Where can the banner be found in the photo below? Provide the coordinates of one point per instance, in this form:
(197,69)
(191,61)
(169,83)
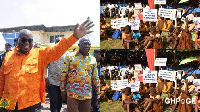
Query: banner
(113,23)
(113,84)
(167,13)
(168,75)
(160,62)
(135,24)
(138,66)
(150,15)
(160,2)
(138,5)
(122,22)
(134,86)
(150,77)
(136,12)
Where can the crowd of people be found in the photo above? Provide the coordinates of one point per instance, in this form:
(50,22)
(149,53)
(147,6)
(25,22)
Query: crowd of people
(119,65)
(72,78)
(179,33)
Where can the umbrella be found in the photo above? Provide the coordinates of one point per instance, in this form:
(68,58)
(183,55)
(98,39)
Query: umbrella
(182,1)
(190,59)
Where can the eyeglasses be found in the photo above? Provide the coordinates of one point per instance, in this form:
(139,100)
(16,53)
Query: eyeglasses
(23,40)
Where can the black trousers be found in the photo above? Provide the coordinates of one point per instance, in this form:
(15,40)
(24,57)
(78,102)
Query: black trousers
(34,108)
(55,98)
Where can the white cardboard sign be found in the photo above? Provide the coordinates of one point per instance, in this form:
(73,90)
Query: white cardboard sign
(167,13)
(160,62)
(138,67)
(113,23)
(160,2)
(122,22)
(168,75)
(134,86)
(135,24)
(138,5)
(113,84)
(150,77)
(150,15)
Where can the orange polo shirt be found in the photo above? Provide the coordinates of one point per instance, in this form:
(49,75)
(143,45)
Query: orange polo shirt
(22,77)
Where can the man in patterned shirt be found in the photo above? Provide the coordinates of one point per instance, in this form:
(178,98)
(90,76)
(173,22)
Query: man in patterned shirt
(54,83)
(79,73)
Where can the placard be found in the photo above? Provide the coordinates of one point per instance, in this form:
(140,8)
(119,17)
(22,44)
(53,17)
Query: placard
(138,5)
(113,23)
(150,15)
(135,24)
(168,75)
(134,86)
(122,22)
(138,66)
(197,85)
(160,62)
(113,84)
(160,2)
(150,77)
(122,84)
(167,13)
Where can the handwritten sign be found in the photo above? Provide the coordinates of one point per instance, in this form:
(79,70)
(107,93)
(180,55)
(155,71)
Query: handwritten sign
(160,2)
(134,86)
(113,23)
(150,77)
(168,75)
(138,5)
(135,24)
(113,84)
(150,15)
(122,83)
(167,13)
(138,67)
(122,22)
(160,62)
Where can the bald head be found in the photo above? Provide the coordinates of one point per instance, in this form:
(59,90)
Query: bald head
(25,41)
(84,46)
(25,32)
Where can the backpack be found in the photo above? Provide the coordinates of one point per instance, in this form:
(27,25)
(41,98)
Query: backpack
(116,34)
(117,95)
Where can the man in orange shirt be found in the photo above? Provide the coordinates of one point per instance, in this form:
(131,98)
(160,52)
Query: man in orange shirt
(22,79)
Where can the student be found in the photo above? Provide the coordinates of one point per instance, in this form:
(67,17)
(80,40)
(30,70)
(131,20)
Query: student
(126,99)
(148,102)
(127,38)
(185,41)
(154,39)
(173,37)
(166,30)
(185,93)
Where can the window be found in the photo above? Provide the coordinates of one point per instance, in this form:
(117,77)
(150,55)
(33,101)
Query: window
(53,38)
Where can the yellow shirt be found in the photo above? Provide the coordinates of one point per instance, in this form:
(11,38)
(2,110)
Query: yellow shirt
(168,26)
(168,89)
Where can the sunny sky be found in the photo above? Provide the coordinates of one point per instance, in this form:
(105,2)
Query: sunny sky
(50,13)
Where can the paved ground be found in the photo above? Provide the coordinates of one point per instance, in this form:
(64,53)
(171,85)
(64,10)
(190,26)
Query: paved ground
(46,106)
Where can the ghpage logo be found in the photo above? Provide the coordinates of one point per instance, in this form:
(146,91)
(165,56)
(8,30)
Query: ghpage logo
(178,100)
